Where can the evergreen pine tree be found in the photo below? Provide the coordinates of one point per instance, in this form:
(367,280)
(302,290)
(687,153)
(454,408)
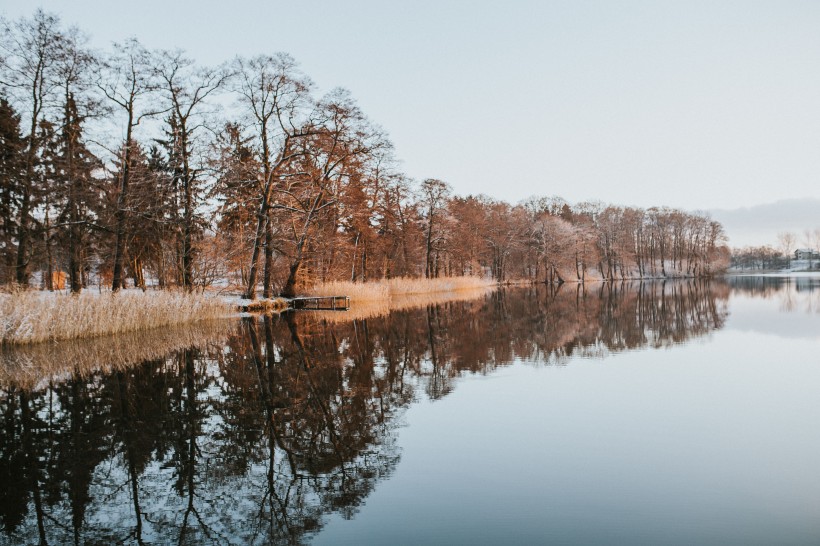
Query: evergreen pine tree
(12,145)
(77,194)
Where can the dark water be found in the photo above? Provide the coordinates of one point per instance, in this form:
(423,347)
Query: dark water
(662,413)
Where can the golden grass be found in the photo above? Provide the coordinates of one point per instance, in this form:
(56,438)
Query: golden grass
(273,305)
(386,289)
(376,308)
(33,365)
(32,317)
(381,297)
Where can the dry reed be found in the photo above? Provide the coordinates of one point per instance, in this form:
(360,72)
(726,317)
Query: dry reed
(402,286)
(273,305)
(32,317)
(364,309)
(381,297)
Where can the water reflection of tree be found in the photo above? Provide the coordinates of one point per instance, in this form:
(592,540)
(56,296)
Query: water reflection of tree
(293,418)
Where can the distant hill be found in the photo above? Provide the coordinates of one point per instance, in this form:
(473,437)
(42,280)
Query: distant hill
(759,225)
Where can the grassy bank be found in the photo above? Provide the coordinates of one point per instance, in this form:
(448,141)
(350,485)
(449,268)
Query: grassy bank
(272,305)
(32,317)
(364,309)
(402,286)
(381,297)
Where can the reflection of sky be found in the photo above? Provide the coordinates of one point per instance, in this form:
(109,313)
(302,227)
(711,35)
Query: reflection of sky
(708,442)
(787,313)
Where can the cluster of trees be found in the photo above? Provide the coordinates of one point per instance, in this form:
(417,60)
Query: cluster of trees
(546,239)
(241,172)
(763,257)
(781,255)
(300,415)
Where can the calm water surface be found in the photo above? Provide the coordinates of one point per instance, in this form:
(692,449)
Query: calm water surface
(661,413)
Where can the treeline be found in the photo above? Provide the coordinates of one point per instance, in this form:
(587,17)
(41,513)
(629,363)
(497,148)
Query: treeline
(759,257)
(241,173)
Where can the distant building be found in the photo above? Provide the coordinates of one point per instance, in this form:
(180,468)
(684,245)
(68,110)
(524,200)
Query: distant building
(806,254)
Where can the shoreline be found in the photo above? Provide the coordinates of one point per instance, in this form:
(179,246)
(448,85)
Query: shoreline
(33,317)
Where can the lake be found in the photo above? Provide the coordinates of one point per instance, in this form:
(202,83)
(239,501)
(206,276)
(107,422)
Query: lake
(670,412)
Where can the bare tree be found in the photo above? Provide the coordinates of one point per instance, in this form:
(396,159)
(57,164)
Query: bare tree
(785,243)
(341,137)
(276,102)
(808,240)
(74,73)
(127,79)
(433,198)
(186,89)
(29,51)
(555,243)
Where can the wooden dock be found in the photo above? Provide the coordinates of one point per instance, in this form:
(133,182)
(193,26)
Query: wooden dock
(321,303)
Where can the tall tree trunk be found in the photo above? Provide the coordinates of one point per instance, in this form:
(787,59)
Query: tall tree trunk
(428,269)
(353,265)
(74,244)
(289,289)
(261,225)
(23,229)
(49,276)
(267,280)
(69,137)
(23,233)
(122,203)
(364,262)
(188,211)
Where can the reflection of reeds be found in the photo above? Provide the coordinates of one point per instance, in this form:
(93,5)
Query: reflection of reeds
(31,317)
(362,309)
(28,366)
(401,286)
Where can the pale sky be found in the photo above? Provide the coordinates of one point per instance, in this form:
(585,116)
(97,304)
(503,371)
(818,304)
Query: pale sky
(696,105)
